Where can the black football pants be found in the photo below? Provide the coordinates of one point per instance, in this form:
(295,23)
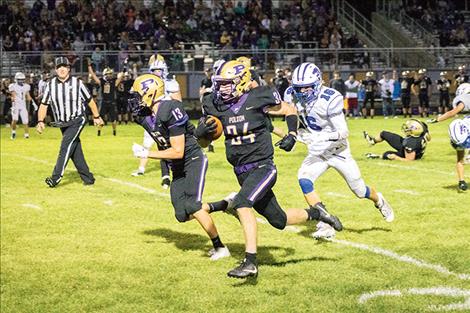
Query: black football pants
(71,148)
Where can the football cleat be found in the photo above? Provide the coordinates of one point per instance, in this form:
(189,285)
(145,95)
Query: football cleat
(372,156)
(463,186)
(385,208)
(244,270)
(166,182)
(13,136)
(219,253)
(50,182)
(230,209)
(324,231)
(137,173)
(327,218)
(98,133)
(368,138)
(26,136)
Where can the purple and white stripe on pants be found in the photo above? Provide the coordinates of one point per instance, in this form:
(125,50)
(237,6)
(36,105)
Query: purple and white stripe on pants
(202,178)
(262,185)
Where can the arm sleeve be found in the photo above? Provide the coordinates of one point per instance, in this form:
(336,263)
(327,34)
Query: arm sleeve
(336,116)
(47,94)
(176,119)
(84,93)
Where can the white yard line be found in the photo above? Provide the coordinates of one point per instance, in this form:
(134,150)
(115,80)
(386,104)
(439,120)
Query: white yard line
(33,206)
(409,192)
(108,202)
(417,169)
(435,291)
(402,258)
(336,194)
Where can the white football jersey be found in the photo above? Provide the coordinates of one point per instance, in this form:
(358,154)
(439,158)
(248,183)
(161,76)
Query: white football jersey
(20,92)
(465,98)
(171,86)
(321,119)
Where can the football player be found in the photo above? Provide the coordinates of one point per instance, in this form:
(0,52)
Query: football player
(19,92)
(409,148)
(249,149)
(459,130)
(159,68)
(371,89)
(325,132)
(168,124)
(406,81)
(424,91)
(108,86)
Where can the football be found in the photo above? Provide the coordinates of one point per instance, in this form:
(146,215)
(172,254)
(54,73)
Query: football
(218,130)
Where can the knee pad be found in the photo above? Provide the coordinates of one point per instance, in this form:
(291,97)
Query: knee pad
(306,185)
(359,188)
(278,221)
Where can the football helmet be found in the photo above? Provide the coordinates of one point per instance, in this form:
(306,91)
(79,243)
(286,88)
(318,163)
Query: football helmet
(463,89)
(237,75)
(20,78)
(369,74)
(413,128)
(443,74)
(462,68)
(146,91)
(422,71)
(217,64)
(459,132)
(304,76)
(157,62)
(246,61)
(405,73)
(108,71)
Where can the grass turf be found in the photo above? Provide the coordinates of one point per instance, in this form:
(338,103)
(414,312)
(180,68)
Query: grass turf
(116,246)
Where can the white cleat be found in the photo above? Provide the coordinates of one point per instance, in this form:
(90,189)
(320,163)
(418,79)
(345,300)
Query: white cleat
(137,173)
(324,231)
(219,253)
(385,208)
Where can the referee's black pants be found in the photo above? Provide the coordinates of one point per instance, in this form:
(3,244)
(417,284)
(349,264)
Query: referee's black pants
(71,148)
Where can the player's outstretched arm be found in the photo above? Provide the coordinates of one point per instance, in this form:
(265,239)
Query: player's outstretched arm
(450,113)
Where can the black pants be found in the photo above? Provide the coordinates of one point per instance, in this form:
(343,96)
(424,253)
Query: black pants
(256,181)
(165,167)
(395,141)
(71,148)
(444,100)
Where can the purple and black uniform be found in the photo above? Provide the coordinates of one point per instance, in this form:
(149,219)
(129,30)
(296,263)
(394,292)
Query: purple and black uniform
(189,173)
(249,148)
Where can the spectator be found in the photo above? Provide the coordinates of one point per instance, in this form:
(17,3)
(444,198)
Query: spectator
(386,91)
(97,59)
(352,88)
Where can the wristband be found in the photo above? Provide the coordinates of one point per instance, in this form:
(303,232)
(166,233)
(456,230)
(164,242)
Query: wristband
(95,117)
(292,123)
(40,122)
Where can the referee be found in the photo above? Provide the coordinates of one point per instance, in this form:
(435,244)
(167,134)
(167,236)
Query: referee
(67,96)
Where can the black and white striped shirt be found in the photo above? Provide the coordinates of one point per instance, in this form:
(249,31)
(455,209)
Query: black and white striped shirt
(67,99)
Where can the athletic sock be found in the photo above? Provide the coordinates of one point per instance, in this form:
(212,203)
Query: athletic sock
(217,206)
(250,257)
(217,243)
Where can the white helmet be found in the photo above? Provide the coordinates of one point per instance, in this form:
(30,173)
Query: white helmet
(217,65)
(463,89)
(306,75)
(158,63)
(459,132)
(19,76)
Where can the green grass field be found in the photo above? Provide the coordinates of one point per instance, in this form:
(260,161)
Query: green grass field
(116,246)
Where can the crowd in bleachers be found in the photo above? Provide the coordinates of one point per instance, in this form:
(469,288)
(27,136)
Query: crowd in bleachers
(441,17)
(163,25)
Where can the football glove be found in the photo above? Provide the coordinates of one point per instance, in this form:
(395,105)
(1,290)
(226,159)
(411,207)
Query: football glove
(205,127)
(139,151)
(287,143)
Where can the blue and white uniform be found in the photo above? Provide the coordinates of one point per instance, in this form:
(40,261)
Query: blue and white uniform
(325,132)
(459,129)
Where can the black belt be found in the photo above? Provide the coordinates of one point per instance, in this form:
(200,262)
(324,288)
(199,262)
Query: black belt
(240,169)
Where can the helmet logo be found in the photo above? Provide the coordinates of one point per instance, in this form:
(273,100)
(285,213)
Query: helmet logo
(145,84)
(239,68)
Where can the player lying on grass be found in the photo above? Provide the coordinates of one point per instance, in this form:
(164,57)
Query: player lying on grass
(249,149)
(325,132)
(168,124)
(409,148)
(459,130)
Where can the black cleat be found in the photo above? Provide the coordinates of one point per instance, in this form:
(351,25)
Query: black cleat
(210,148)
(463,186)
(89,183)
(244,270)
(114,132)
(326,217)
(50,182)
(368,138)
(98,133)
(166,182)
